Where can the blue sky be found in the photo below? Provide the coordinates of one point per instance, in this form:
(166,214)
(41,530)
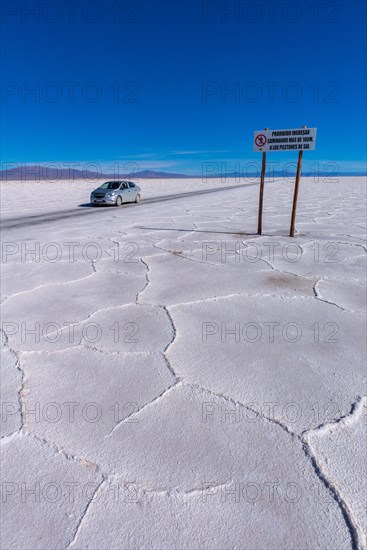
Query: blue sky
(171,84)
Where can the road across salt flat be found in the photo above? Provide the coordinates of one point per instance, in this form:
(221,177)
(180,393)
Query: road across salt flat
(22,221)
(172,380)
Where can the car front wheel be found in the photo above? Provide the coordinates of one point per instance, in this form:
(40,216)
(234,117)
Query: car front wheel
(118,201)
(137,198)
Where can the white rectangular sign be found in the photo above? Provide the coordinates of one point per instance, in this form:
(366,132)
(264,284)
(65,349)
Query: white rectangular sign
(295,139)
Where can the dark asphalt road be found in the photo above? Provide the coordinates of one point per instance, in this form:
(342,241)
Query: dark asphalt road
(84,209)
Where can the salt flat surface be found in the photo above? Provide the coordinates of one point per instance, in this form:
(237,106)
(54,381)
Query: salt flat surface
(172,380)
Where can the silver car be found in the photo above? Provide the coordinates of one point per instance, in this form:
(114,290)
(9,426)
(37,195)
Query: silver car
(115,193)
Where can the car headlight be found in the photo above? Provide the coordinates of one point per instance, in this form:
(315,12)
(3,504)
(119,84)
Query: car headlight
(111,194)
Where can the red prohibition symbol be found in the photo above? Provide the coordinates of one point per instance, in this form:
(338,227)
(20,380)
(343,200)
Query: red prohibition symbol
(260,140)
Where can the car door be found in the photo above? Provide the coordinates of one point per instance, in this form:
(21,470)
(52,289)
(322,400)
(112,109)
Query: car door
(125,192)
(133,190)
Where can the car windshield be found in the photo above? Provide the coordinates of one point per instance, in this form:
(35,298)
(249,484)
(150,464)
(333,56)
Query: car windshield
(111,185)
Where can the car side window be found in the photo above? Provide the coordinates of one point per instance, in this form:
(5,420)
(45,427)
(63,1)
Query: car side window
(124,186)
(132,185)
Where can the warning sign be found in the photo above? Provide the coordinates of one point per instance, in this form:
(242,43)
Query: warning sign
(260,140)
(297,139)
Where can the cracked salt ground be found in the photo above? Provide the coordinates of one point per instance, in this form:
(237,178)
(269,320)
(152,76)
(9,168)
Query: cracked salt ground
(178,414)
(331,259)
(11,382)
(35,274)
(321,373)
(70,302)
(214,280)
(129,328)
(208,521)
(120,385)
(350,295)
(341,451)
(40,521)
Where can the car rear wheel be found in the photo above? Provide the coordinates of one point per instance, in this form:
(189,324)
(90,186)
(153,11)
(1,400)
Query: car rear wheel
(137,198)
(118,201)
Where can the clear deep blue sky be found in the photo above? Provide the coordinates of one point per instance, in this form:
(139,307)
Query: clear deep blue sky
(173,63)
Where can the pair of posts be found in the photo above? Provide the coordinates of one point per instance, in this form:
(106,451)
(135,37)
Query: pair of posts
(295,196)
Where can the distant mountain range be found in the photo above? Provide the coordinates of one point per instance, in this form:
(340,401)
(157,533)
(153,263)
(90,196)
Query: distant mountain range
(41,173)
(289,174)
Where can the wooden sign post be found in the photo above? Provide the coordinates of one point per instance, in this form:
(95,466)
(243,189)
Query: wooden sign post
(261,195)
(295,196)
(296,139)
